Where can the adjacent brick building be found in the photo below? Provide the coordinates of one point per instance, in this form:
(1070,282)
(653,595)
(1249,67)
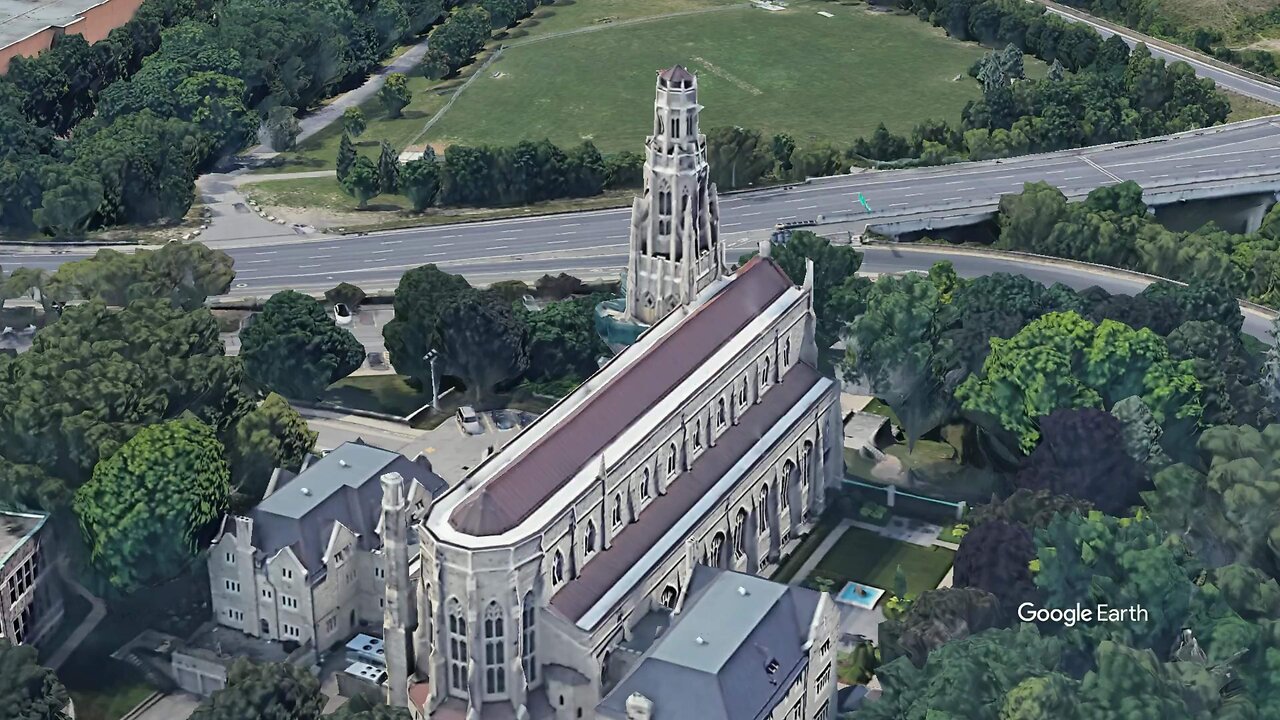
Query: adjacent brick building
(29,27)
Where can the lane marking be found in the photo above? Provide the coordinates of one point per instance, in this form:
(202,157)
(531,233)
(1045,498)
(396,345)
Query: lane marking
(498,247)
(319,257)
(807,207)
(571,232)
(268,252)
(557,242)
(392,242)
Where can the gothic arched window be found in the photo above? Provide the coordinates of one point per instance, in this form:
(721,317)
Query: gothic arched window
(644,484)
(495,673)
(740,534)
(457,645)
(742,394)
(589,540)
(720,413)
(671,461)
(697,435)
(668,597)
(617,509)
(557,568)
(764,509)
(786,353)
(528,651)
(717,550)
(788,469)
(764,374)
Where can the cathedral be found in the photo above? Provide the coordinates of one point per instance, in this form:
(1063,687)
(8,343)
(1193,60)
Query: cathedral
(610,560)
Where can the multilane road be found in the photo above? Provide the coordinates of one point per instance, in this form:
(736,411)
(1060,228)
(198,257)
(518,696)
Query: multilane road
(596,242)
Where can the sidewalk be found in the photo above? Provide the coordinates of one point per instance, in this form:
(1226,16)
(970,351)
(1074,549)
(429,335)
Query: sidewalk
(97,612)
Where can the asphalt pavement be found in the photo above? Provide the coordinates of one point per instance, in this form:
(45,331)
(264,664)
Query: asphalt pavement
(1231,79)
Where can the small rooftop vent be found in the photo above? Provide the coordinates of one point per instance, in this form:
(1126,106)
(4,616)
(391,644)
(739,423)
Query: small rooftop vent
(306,491)
(742,591)
(343,463)
(700,640)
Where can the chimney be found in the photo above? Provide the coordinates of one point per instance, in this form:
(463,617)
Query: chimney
(766,248)
(639,707)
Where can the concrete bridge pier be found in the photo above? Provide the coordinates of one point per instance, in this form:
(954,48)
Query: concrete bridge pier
(1238,214)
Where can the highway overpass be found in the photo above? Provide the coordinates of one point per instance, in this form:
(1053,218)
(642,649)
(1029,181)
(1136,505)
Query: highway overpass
(1239,158)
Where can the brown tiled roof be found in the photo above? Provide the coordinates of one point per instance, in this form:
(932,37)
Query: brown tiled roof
(514,492)
(607,567)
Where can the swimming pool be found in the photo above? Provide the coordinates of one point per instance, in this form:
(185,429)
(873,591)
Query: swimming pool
(859,595)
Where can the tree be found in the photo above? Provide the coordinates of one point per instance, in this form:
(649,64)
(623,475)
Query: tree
(272,435)
(345,293)
(361,181)
(420,182)
(353,121)
(935,618)
(145,508)
(482,342)
(294,348)
(419,298)
(359,708)
(92,379)
(890,348)
(1140,433)
(28,691)
(783,147)
(563,342)
(988,665)
(1231,513)
(394,95)
(455,42)
(1062,361)
(623,170)
(68,204)
(185,274)
(273,691)
(1122,562)
(282,128)
(833,267)
(346,157)
(995,557)
(1032,509)
(738,157)
(504,13)
(388,169)
(1082,454)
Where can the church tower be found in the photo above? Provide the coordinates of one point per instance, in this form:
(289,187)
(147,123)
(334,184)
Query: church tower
(399,609)
(676,250)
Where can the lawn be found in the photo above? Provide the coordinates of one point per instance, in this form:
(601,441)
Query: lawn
(865,557)
(1246,108)
(319,151)
(795,71)
(390,394)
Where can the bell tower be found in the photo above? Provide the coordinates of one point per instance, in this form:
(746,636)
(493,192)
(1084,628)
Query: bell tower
(676,250)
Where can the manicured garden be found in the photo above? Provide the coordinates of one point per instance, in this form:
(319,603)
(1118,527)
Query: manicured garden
(866,557)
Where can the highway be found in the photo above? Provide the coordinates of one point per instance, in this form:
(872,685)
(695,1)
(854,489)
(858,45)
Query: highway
(1233,80)
(597,241)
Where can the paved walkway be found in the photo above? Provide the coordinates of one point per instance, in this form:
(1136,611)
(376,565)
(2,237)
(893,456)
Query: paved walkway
(320,119)
(98,611)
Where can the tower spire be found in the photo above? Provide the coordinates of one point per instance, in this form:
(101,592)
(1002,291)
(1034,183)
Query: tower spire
(676,250)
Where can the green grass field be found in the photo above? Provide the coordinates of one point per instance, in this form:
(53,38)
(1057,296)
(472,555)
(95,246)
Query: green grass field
(865,557)
(794,71)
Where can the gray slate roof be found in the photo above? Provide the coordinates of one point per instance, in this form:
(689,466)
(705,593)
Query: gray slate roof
(723,677)
(343,486)
(530,480)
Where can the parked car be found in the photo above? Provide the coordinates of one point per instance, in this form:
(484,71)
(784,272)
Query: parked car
(503,419)
(342,314)
(469,421)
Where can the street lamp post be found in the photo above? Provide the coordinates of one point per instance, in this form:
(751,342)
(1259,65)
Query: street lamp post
(430,357)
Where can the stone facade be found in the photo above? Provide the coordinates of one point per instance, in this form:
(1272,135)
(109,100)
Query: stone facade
(30,594)
(710,441)
(676,251)
(308,565)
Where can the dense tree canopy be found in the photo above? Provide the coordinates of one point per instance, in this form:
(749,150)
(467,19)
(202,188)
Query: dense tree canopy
(186,274)
(274,691)
(1064,361)
(415,329)
(272,435)
(1082,454)
(97,375)
(145,508)
(293,347)
(563,342)
(1231,513)
(27,690)
(482,342)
